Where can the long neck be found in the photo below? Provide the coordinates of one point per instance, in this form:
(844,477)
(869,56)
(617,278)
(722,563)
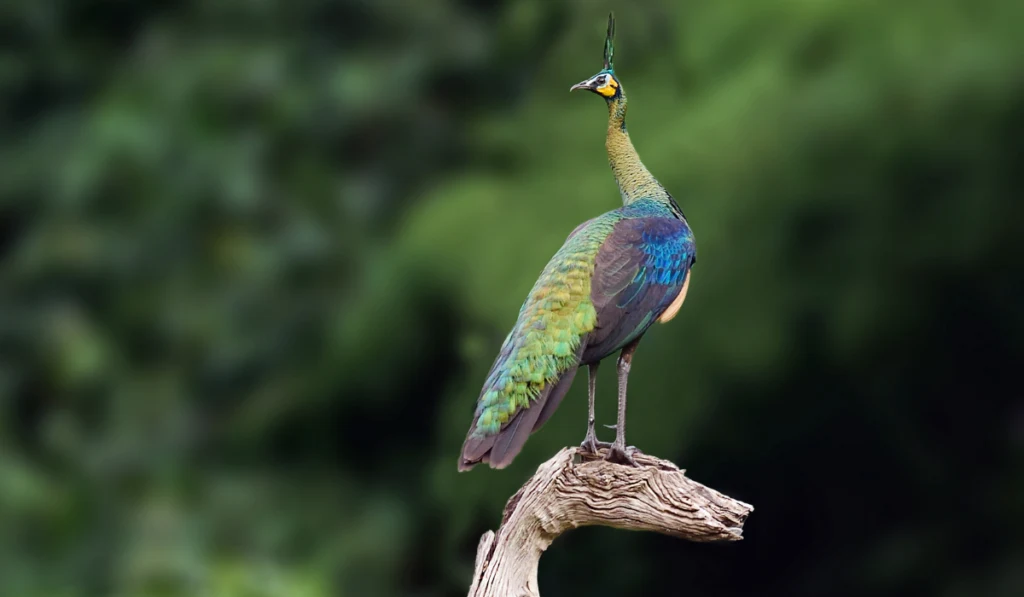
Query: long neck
(635,181)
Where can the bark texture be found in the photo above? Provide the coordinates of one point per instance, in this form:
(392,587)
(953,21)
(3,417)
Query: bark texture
(573,490)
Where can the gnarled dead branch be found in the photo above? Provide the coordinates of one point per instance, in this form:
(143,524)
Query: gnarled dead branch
(573,490)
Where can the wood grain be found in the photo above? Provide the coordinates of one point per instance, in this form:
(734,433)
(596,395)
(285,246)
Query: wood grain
(573,490)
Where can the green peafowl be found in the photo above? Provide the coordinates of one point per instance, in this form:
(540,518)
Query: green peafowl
(613,278)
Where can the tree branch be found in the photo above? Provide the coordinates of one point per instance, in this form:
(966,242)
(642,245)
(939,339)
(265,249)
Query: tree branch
(573,490)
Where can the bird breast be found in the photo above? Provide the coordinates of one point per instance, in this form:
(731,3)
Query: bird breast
(678,302)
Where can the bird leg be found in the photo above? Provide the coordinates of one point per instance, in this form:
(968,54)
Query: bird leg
(618,452)
(590,443)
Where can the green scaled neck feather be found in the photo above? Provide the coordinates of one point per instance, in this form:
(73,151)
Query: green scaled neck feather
(634,179)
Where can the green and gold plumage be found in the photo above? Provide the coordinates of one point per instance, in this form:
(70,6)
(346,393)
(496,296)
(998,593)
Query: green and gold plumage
(546,339)
(614,276)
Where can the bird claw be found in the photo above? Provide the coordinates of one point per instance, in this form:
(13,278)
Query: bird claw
(619,455)
(591,445)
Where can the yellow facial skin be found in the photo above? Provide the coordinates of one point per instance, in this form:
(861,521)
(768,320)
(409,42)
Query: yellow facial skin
(608,89)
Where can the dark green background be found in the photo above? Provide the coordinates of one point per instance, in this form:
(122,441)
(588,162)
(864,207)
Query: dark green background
(258,256)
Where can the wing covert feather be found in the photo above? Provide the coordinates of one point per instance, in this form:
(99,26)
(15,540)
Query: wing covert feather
(640,269)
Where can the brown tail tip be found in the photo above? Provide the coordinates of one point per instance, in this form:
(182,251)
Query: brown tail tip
(466,464)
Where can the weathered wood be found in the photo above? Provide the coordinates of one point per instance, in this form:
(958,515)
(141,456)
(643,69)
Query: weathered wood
(573,490)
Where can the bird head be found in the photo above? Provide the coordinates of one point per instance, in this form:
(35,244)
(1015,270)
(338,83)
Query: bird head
(604,82)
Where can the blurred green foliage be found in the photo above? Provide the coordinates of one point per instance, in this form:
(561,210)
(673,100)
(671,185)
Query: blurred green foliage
(257,258)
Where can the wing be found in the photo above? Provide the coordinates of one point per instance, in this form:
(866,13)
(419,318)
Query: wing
(640,269)
(539,357)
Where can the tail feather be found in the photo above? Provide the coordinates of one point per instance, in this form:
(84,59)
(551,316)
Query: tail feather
(511,439)
(557,393)
(542,349)
(500,449)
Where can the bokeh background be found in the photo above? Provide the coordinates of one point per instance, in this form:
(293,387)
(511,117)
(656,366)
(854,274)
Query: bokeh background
(257,258)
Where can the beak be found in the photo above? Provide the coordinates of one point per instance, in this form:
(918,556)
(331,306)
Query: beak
(581,85)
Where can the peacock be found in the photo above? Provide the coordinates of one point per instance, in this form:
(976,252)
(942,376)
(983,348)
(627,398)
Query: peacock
(614,277)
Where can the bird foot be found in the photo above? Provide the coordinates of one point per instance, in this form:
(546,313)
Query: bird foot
(620,455)
(591,445)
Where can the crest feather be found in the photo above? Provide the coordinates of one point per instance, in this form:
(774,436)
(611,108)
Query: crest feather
(609,50)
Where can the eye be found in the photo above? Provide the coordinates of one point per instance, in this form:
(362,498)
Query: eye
(602,80)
